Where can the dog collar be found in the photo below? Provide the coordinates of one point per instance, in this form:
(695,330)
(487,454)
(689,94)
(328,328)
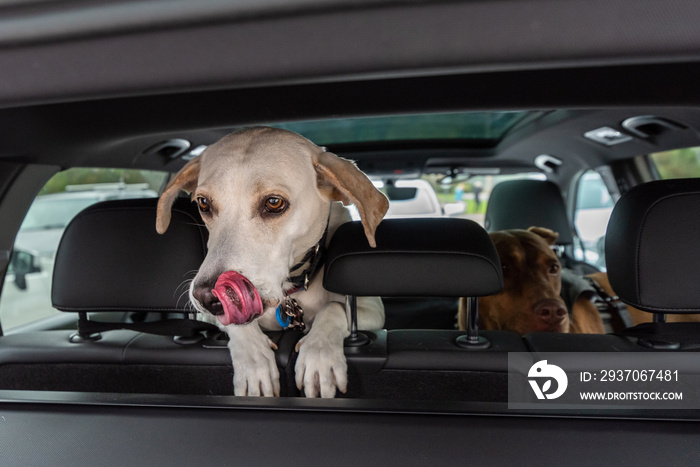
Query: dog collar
(312,259)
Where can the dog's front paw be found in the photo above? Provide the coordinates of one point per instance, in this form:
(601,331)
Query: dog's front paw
(321,366)
(255,370)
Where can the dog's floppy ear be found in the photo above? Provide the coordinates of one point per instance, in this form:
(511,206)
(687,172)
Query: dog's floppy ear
(340,180)
(186,179)
(549,236)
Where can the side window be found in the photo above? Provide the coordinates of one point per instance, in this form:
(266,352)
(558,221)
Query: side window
(679,163)
(26,293)
(593,209)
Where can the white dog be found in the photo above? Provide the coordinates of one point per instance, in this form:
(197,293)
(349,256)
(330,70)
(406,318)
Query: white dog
(269,199)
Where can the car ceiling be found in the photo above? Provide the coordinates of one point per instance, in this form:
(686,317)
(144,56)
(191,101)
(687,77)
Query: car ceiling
(59,50)
(97,83)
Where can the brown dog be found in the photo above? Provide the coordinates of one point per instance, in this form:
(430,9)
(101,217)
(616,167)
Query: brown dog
(530,300)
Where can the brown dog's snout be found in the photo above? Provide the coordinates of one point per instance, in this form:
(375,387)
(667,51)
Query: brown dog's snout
(550,310)
(203,294)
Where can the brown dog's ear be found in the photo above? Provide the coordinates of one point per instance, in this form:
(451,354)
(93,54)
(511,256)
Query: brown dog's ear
(340,180)
(550,236)
(186,179)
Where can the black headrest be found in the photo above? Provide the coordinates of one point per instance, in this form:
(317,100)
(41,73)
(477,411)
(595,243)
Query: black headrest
(519,204)
(112,259)
(414,258)
(652,246)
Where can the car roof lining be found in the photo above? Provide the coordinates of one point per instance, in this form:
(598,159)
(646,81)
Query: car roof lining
(79,135)
(62,51)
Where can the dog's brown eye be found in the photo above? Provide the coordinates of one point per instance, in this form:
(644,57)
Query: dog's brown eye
(203,204)
(275,204)
(554,268)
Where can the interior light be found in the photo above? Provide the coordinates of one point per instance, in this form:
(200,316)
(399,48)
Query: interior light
(607,136)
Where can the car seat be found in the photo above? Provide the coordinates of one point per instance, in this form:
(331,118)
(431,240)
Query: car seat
(111,264)
(519,204)
(654,254)
(421,258)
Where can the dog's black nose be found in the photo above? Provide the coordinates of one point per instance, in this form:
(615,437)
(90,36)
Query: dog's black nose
(202,293)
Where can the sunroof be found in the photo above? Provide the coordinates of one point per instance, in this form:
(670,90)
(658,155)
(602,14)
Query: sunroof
(466,125)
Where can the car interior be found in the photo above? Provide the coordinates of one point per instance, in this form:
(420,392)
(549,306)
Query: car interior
(123,362)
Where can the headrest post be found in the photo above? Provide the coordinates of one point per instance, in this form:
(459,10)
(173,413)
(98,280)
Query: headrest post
(659,317)
(352,301)
(473,319)
(355,339)
(82,335)
(472,340)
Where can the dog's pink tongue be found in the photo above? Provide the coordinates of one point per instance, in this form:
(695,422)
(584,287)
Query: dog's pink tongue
(239,297)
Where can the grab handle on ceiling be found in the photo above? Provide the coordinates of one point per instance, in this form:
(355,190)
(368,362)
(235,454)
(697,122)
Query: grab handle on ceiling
(647,126)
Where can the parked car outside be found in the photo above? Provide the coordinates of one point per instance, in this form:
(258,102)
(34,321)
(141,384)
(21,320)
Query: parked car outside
(412,198)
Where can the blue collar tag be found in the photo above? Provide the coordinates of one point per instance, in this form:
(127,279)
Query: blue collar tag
(278,314)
